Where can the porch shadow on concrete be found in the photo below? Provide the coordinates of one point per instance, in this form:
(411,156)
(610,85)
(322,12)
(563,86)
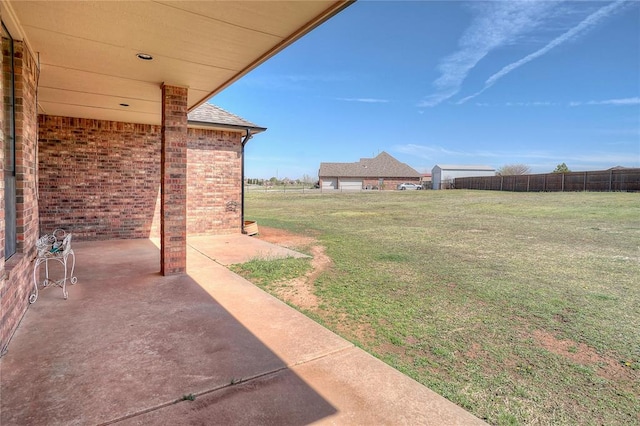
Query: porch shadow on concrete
(129,343)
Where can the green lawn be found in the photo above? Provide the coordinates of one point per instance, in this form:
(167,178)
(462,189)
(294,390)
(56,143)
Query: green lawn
(523,308)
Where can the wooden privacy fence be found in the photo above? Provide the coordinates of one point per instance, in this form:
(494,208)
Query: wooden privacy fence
(627,180)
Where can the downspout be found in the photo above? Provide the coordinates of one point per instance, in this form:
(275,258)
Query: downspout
(244,142)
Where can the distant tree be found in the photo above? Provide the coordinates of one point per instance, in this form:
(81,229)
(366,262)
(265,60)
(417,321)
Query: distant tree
(561,168)
(307,179)
(273,180)
(514,169)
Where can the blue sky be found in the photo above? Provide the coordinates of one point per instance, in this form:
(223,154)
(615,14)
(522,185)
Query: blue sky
(476,83)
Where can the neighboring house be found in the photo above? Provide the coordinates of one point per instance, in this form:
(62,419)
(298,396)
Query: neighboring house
(381,172)
(442,175)
(104,125)
(425,180)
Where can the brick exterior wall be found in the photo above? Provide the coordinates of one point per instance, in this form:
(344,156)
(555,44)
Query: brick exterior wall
(16,272)
(8,323)
(173,175)
(26,149)
(4,68)
(98,179)
(214,160)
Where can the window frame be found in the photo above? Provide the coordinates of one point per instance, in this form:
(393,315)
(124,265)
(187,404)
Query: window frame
(9,145)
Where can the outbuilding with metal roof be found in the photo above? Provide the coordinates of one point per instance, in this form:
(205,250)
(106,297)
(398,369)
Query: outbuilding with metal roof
(442,175)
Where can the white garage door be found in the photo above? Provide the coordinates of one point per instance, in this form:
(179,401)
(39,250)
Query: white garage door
(351,184)
(329,183)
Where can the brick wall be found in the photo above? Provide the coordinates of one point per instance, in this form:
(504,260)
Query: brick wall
(4,68)
(98,179)
(101,179)
(173,174)
(7,324)
(17,284)
(26,147)
(214,162)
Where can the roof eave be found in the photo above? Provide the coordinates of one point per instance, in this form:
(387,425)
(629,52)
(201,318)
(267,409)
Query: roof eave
(221,126)
(331,11)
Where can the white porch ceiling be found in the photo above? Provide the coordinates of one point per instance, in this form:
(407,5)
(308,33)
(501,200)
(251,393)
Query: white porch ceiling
(87,49)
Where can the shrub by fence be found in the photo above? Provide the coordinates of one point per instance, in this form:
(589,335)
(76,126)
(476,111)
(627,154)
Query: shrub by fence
(626,180)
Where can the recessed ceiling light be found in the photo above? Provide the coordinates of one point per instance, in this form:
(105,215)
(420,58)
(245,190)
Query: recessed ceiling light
(124,105)
(144,56)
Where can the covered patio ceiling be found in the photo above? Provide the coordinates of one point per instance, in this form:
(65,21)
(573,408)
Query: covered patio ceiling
(88,50)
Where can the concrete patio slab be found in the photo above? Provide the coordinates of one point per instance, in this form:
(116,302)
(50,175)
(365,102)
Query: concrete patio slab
(238,248)
(129,344)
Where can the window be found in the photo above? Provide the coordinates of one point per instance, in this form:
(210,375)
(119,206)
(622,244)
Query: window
(8,121)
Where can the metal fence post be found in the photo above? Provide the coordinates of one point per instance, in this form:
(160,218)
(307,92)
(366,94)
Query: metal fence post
(610,179)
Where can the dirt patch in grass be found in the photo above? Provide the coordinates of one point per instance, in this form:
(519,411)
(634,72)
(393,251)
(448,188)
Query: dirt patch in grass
(604,366)
(285,238)
(475,351)
(299,291)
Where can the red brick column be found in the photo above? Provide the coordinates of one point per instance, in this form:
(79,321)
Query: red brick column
(173,170)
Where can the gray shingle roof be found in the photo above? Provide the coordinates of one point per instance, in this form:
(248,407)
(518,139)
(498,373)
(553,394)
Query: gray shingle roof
(212,115)
(382,166)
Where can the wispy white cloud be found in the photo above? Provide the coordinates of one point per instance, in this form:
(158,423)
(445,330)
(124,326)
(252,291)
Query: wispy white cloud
(270,160)
(582,28)
(606,158)
(538,160)
(530,104)
(425,151)
(436,151)
(495,25)
(293,81)
(365,100)
(615,102)
(619,102)
(628,135)
(588,23)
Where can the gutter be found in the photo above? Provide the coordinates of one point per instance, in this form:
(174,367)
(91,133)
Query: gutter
(246,138)
(194,124)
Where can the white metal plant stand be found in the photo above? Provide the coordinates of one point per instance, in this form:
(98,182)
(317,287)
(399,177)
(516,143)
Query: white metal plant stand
(56,246)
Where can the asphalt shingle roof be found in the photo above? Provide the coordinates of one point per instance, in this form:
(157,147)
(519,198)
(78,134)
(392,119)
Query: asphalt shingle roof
(382,166)
(209,114)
